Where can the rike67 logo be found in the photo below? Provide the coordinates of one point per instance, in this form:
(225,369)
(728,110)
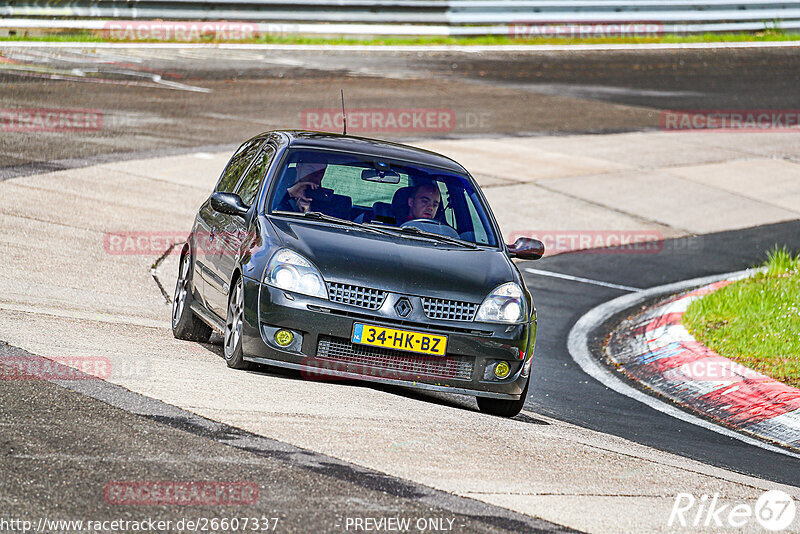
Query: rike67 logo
(775,511)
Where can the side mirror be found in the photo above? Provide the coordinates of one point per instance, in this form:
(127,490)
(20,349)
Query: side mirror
(229,203)
(526,248)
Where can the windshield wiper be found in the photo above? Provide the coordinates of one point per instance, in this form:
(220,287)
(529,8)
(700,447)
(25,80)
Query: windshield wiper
(413,230)
(319,216)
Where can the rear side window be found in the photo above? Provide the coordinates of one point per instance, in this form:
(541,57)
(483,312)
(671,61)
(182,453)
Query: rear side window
(252,180)
(239,161)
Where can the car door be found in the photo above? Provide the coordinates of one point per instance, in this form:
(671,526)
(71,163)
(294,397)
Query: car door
(207,226)
(233,230)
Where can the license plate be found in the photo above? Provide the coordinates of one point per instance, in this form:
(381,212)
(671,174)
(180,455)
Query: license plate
(389,338)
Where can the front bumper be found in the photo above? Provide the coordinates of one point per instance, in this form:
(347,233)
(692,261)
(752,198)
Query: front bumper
(326,351)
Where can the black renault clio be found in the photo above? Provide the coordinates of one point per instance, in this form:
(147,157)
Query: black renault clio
(349,257)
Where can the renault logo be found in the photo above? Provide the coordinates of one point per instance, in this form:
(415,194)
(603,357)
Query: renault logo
(403,307)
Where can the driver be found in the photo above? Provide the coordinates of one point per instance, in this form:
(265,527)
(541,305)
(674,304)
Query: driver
(424,202)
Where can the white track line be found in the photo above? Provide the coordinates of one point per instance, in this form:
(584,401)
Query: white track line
(582,280)
(408,48)
(157,83)
(578,346)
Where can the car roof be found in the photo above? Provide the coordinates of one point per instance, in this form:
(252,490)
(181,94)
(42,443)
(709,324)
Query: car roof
(371,147)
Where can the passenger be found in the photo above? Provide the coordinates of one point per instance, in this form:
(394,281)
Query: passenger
(309,177)
(424,202)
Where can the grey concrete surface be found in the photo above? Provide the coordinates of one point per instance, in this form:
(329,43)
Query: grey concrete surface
(61,448)
(672,183)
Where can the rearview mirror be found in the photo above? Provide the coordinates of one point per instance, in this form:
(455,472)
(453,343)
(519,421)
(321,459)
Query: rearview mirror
(229,203)
(526,248)
(381,176)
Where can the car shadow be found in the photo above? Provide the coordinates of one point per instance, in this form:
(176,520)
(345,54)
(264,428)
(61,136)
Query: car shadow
(450,400)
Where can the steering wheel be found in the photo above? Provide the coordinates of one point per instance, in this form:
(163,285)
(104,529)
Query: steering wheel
(433,226)
(433,221)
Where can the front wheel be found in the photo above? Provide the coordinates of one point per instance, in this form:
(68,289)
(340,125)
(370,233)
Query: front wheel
(185,324)
(502,407)
(233,328)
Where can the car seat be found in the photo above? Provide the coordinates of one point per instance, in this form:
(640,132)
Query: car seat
(338,206)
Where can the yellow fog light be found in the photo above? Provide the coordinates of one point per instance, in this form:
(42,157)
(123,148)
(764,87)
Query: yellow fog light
(501,370)
(284,338)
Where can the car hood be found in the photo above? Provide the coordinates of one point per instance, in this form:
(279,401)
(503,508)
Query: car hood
(411,266)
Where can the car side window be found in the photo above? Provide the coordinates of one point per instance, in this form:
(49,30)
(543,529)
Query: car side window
(232,173)
(478,225)
(249,186)
(462,214)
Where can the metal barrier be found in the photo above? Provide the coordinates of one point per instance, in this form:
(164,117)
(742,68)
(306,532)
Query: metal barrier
(429,17)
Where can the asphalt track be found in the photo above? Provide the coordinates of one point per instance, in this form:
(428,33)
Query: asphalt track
(571,95)
(563,391)
(156,100)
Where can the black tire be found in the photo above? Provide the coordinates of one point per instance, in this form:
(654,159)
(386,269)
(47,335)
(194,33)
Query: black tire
(233,327)
(185,324)
(501,407)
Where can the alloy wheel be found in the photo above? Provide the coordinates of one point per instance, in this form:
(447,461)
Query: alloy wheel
(233,325)
(181,290)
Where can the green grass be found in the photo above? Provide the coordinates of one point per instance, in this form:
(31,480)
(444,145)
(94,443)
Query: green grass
(769,35)
(756,321)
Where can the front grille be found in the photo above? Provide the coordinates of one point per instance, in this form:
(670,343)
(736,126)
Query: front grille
(363,297)
(451,310)
(389,363)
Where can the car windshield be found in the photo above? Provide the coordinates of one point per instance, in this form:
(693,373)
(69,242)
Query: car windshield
(382,192)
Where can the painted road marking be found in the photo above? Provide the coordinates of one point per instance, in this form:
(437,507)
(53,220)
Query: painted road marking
(158,84)
(741,397)
(578,346)
(40,66)
(582,280)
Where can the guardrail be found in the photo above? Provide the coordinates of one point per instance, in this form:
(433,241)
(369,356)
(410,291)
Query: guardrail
(429,17)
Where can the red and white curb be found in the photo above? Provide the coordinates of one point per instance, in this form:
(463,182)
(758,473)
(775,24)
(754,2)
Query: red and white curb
(655,349)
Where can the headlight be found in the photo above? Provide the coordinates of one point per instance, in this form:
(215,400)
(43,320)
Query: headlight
(290,271)
(505,304)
